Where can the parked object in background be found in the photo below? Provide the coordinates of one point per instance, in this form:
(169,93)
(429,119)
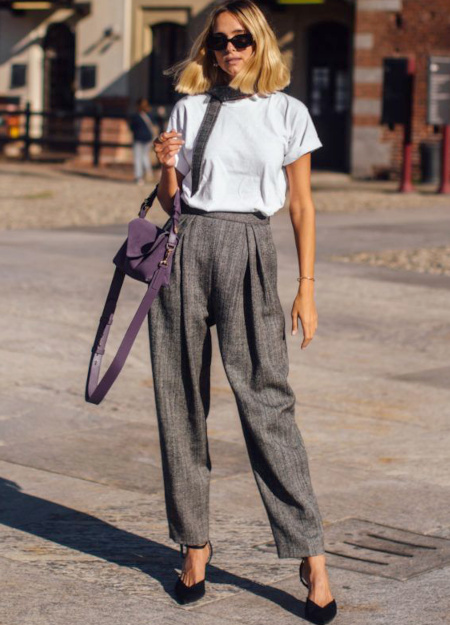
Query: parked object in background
(430,161)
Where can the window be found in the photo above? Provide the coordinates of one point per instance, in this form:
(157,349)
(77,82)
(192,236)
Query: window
(18,76)
(87,76)
(169,46)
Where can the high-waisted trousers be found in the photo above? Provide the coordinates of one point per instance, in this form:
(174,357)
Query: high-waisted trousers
(224,273)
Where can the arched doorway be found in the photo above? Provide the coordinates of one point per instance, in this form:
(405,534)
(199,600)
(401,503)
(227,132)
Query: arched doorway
(329,91)
(59,83)
(169,46)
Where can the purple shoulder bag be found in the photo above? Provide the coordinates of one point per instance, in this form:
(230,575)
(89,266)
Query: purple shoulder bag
(146,256)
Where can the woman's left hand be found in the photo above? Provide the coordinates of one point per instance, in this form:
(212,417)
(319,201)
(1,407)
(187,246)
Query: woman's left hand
(305,308)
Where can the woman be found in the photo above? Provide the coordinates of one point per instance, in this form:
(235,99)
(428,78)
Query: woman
(141,127)
(227,160)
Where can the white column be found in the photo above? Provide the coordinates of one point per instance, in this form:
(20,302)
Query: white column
(35,85)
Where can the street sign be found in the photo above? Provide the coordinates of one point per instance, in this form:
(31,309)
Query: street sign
(438,92)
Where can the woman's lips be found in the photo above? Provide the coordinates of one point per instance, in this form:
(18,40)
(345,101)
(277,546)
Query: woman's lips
(232,60)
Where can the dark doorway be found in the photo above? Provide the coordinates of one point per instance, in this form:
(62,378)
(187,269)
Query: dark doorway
(169,47)
(59,84)
(329,91)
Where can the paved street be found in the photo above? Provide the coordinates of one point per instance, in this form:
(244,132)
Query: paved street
(84,535)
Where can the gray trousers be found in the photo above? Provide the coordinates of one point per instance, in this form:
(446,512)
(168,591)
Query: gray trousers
(225,273)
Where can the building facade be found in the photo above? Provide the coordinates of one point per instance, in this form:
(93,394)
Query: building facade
(75,55)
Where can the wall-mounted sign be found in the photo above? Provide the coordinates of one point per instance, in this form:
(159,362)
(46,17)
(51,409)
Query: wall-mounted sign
(438,100)
(397,91)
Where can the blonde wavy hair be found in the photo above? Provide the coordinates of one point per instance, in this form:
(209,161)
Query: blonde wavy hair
(264,72)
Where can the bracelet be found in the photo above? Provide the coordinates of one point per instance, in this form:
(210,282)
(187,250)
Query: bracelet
(305,278)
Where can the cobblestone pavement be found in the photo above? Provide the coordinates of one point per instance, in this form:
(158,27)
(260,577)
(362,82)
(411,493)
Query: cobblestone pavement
(424,260)
(83,531)
(42,196)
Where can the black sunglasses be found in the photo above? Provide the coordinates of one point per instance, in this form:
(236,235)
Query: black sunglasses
(219,42)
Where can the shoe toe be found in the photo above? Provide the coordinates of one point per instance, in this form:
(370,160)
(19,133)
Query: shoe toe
(187,594)
(320,615)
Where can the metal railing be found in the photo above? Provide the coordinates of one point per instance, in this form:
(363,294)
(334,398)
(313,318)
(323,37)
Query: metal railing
(59,130)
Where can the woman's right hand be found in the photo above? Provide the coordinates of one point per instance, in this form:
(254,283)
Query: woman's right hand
(166,146)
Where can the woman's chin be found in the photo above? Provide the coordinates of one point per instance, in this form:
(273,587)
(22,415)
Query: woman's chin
(232,73)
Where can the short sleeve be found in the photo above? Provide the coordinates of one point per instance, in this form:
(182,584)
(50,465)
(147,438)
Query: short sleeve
(303,137)
(176,122)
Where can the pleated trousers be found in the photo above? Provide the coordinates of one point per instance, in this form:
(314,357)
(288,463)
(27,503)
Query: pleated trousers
(224,273)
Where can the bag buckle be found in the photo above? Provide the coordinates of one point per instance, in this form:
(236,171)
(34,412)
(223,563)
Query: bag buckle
(169,250)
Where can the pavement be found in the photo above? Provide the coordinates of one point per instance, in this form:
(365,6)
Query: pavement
(42,195)
(84,536)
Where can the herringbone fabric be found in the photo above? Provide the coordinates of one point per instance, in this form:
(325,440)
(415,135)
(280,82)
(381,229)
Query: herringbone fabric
(225,273)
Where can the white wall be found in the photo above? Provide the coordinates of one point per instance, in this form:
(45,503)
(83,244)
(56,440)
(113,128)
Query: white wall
(21,42)
(108,53)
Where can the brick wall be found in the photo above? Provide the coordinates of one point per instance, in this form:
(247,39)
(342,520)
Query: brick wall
(390,28)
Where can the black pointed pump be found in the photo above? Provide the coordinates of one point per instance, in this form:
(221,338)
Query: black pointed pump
(188,594)
(320,615)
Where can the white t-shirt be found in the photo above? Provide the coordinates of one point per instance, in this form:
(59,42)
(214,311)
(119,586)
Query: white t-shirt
(252,140)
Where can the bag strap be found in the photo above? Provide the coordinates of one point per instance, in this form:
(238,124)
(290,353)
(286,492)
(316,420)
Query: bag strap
(204,132)
(95,390)
(218,94)
(176,212)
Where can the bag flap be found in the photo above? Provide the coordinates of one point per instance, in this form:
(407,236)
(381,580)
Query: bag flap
(143,236)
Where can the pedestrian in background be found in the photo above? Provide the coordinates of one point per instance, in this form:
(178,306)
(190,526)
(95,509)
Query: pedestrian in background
(141,125)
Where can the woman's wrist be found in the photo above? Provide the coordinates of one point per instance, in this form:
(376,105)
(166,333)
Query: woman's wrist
(306,286)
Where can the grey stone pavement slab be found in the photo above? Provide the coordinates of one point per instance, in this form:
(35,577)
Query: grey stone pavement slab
(83,529)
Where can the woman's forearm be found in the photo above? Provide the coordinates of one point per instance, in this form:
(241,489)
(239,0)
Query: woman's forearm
(303,219)
(167,187)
